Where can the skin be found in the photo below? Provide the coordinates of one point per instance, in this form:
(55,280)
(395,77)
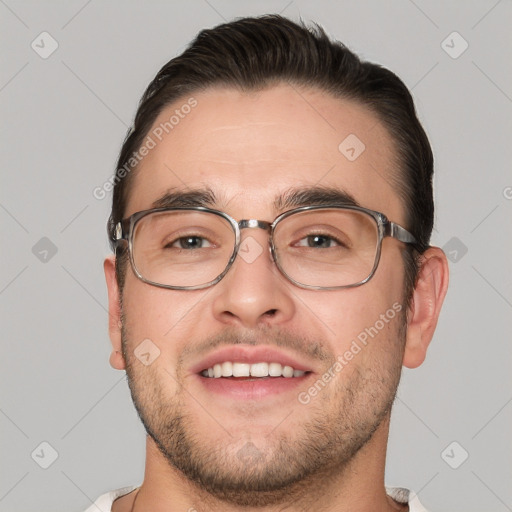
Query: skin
(249,148)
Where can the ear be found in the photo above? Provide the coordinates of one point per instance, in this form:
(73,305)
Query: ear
(428,297)
(114,313)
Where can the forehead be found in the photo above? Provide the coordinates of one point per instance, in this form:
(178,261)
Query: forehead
(250,148)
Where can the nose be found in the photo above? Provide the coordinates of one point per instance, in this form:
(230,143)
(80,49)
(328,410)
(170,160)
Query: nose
(253,292)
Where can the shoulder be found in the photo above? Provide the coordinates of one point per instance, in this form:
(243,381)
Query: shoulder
(406,496)
(104,502)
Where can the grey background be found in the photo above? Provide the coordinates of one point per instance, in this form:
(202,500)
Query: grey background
(63,121)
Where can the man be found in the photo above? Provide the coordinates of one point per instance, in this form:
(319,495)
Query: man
(272,273)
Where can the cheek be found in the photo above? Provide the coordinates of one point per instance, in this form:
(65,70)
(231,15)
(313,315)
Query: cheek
(166,317)
(348,313)
(362,323)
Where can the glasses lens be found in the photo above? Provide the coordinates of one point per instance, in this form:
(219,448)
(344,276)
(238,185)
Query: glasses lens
(182,248)
(326,248)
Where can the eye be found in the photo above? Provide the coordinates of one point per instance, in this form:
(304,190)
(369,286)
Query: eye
(189,242)
(318,241)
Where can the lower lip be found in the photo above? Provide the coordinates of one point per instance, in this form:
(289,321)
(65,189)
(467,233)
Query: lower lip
(253,388)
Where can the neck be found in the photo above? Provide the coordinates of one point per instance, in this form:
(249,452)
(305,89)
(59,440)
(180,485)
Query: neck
(358,486)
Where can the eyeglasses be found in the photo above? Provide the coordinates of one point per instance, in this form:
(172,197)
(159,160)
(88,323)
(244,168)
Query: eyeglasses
(316,247)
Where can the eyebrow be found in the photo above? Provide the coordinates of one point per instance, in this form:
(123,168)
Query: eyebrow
(317,195)
(178,198)
(292,198)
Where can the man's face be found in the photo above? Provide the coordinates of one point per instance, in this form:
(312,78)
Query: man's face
(237,437)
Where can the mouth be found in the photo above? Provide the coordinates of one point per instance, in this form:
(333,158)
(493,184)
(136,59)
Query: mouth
(249,372)
(254,371)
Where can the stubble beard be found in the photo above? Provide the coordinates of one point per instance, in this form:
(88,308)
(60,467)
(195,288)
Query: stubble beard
(340,422)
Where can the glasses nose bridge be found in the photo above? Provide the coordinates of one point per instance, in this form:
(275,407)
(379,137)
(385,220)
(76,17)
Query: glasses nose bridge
(258,224)
(254,223)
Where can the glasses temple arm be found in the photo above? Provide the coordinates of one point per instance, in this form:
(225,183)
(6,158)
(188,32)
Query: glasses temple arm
(121,233)
(400,233)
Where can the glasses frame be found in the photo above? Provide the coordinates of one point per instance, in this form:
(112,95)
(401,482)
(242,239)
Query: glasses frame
(124,235)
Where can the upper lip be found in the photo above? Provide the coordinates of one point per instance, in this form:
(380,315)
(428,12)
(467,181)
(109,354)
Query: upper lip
(250,354)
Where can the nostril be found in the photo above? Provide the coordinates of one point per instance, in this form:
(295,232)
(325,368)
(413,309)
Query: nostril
(271,312)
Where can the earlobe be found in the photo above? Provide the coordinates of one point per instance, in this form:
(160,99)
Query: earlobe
(428,296)
(114,312)
(116,360)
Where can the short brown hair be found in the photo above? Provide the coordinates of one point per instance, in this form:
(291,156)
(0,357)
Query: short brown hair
(254,53)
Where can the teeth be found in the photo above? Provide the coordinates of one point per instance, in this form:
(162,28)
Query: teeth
(241,370)
(259,370)
(217,371)
(227,369)
(275,369)
(230,369)
(287,371)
